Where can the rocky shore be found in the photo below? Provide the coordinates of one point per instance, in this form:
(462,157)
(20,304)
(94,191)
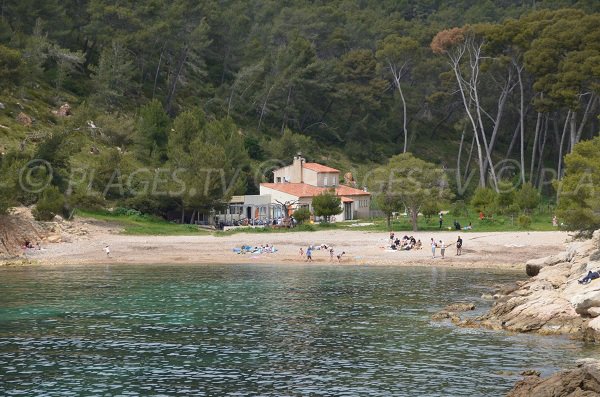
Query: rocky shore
(553,302)
(582,381)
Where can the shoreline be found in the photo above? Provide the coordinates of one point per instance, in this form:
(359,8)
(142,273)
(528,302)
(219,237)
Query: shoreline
(489,250)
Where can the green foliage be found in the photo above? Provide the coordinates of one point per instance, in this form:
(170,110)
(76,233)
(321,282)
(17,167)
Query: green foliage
(527,197)
(414,183)
(291,144)
(331,80)
(10,66)
(505,198)
(484,199)
(113,77)
(50,204)
(524,221)
(327,204)
(579,196)
(430,208)
(302,215)
(459,208)
(152,132)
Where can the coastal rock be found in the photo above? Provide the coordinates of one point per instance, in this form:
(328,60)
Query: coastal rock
(449,312)
(581,381)
(586,299)
(594,311)
(591,331)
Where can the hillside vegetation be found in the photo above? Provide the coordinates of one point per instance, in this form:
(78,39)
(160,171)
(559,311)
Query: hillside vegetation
(171,107)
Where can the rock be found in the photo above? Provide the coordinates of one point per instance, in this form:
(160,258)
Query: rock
(24,119)
(586,299)
(2,106)
(63,111)
(450,312)
(55,238)
(581,381)
(531,372)
(594,311)
(533,266)
(591,331)
(460,307)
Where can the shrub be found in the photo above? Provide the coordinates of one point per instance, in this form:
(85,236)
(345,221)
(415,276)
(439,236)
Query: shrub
(527,198)
(302,215)
(483,199)
(524,221)
(50,204)
(459,209)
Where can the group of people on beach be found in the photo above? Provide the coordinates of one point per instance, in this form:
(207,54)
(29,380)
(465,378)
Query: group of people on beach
(322,247)
(442,246)
(405,243)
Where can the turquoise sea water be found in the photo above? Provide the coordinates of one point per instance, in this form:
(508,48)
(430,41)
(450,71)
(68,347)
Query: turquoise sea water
(133,330)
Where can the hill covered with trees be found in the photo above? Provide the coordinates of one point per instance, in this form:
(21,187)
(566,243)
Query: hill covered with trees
(490,91)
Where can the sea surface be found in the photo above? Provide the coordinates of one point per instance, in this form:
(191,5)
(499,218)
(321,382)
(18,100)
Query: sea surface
(223,330)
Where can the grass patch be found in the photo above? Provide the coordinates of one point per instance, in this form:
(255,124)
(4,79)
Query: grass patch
(499,223)
(143,224)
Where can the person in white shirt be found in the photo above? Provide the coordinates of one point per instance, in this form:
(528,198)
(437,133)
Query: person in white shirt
(442,248)
(107,250)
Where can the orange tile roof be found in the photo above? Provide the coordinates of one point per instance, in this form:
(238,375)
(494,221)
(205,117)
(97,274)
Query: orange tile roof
(305,190)
(319,167)
(346,199)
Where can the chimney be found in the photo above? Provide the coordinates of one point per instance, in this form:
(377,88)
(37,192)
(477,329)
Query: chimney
(297,172)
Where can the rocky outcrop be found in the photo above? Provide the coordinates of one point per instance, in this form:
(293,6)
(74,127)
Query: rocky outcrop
(24,119)
(584,380)
(553,302)
(63,111)
(19,228)
(451,312)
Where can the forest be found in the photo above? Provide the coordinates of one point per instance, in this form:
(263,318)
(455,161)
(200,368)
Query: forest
(98,97)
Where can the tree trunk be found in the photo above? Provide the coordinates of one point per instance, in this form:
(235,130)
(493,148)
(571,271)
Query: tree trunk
(461,88)
(535,143)
(414,213)
(522,123)
(541,160)
(173,87)
(560,147)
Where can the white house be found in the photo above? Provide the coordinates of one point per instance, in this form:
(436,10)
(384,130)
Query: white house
(301,181)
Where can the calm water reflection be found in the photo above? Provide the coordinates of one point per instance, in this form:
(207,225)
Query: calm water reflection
(255,330)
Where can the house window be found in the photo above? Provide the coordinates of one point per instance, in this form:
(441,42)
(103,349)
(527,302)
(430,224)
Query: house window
(278,179)
(325,181)
(334,182)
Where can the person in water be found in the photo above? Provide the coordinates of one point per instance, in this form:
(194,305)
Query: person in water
(589,277)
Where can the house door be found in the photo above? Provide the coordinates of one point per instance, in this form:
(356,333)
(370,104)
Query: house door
(347,211)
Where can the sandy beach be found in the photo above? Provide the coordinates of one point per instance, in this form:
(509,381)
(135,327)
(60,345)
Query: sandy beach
(480,250)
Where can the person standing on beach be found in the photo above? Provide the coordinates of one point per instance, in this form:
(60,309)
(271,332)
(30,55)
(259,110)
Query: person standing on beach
(459,246)
(433,247)
(442,248)
(107,250)
(301,252)
(331,254)
(309,254)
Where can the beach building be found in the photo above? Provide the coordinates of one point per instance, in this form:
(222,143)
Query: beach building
(296,184)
